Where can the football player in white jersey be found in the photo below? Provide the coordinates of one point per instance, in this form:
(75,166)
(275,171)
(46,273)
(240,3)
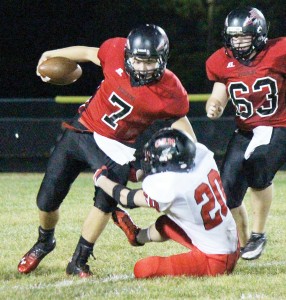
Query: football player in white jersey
(182,181)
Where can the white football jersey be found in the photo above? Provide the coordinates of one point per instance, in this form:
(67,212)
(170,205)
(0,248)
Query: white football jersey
(196,202)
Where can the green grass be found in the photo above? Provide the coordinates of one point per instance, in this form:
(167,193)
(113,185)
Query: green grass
(113,268)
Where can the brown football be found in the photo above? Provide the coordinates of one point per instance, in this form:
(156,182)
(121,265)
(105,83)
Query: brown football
(60,70)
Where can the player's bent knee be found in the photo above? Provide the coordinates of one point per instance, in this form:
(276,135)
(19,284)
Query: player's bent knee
(146,267)
(46,206)
(103,202)
(46,203)
(257,172)
(160,224)
(51,194)
(104,207)
(259,182)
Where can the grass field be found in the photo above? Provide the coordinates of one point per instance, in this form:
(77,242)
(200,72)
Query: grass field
(260,279)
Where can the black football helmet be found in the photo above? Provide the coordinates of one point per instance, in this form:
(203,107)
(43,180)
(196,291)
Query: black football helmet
(168,150)
(146,42)
(245,21)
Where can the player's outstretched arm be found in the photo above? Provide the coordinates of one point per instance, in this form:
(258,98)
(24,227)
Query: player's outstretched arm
(120,193)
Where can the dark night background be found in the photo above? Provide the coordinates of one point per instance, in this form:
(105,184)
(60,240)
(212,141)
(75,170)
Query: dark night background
(30,119)
(29,28)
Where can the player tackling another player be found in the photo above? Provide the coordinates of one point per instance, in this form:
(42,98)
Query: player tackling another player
(183,182)
(137,91)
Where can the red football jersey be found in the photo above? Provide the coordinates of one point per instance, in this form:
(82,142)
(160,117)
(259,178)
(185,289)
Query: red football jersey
(120,111)
(257,90)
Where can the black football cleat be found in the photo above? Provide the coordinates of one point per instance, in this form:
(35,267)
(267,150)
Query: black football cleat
(254,246)
(78,265)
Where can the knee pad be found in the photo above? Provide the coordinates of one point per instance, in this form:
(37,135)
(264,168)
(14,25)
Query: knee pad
(50,196)
(257,172)
(46,205)
(101,200)
(104,202)
(118,174)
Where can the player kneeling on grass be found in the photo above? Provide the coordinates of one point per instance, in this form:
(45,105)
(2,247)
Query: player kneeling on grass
(182,181)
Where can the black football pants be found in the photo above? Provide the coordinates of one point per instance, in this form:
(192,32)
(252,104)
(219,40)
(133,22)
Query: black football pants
(257,171)
(74,153)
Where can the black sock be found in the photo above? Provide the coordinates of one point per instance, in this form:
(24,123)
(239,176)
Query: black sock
(46,231)
(85,242)
(46,235)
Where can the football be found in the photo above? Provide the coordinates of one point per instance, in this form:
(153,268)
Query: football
(60,70)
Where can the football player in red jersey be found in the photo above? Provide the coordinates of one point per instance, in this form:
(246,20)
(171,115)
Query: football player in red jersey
(136,91)
(250,71)
(182,182)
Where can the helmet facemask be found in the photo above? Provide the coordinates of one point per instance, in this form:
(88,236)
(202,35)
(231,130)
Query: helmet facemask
(143,77)
(242,50)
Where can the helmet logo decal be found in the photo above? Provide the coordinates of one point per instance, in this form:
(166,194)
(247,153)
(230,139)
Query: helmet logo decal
(253,16)
(165,141)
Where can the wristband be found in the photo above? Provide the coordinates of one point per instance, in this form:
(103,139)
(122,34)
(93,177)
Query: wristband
(130,196)
(116,192)
(130,199)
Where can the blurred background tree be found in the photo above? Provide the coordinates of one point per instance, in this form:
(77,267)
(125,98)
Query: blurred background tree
(194,28)
(198,33)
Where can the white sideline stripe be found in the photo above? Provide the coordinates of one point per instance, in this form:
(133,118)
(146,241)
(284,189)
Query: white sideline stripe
(113,278)
(267,264)
(70,282)
(252,296)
